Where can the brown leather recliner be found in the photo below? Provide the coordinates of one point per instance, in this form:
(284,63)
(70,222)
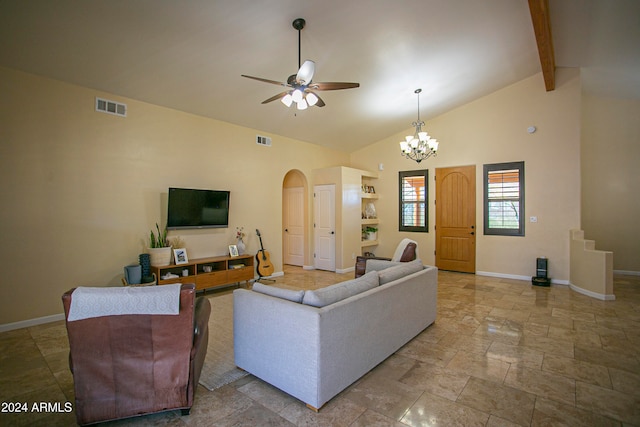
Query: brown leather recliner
(128,365)
(407,251)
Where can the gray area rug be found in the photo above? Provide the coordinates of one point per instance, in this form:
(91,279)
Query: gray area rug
(219,368)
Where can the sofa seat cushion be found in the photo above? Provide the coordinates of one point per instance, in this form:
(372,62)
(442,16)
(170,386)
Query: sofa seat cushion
(398,271)
(339,291)
(288,294)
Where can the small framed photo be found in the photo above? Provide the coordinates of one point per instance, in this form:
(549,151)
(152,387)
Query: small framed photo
(233,250)
(372,190)
(180,256)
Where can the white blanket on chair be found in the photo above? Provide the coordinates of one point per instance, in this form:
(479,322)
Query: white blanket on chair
(89,302)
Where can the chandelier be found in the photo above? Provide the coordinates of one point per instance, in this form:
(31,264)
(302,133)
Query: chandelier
(420,145)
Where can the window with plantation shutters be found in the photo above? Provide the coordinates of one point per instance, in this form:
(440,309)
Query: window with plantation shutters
(504,199)
(413,191)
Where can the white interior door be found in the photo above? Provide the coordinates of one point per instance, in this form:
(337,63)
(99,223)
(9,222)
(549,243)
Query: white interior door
(294,226)
(324,226)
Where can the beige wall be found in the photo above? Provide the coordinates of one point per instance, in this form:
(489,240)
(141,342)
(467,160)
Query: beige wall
(81,190)
(611,178)
(493,129)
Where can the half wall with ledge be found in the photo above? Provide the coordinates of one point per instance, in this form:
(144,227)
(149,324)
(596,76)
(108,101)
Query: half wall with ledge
(591,270)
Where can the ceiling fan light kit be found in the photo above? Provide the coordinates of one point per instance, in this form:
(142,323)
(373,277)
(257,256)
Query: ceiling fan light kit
(420,145)
(300,84)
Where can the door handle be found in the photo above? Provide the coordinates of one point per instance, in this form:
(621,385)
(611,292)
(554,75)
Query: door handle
(472,233)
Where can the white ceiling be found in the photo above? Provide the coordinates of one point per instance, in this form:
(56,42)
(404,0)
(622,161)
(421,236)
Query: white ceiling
(189,55)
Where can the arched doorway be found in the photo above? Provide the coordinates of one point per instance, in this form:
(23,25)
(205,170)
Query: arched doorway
(295,219)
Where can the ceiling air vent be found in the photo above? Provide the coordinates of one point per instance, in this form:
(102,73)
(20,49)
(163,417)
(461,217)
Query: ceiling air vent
(263,140)
(111,107)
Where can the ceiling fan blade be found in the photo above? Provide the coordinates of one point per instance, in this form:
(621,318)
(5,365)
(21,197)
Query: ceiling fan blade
(275,97)
(305,73)
(265,80)
(333,85)
(320,102)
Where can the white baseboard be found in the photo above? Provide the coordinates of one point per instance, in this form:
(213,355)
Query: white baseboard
(31,322)
(517,277)
(626,273)
(55,317)
(603,297)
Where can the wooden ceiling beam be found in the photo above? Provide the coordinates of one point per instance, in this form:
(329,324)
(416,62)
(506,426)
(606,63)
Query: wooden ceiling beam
(542,27)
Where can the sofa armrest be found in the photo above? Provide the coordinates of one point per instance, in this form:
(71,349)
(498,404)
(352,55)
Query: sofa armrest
(361,264)
(202,311)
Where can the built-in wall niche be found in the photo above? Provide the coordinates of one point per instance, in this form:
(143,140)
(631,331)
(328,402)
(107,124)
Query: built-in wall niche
(370,221)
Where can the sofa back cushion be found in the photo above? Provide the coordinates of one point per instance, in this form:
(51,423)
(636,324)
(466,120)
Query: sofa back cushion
(340,291)
(379,264)
(288,294)
(398,271)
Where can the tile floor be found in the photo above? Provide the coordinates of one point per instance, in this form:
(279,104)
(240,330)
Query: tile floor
(501,353)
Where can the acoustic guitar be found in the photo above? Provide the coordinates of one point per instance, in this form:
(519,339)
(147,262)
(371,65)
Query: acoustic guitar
(265,267)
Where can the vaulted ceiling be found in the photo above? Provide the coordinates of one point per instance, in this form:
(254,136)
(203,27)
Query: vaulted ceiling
(189,55)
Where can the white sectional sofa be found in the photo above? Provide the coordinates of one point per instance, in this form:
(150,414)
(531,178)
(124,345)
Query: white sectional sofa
(314,344)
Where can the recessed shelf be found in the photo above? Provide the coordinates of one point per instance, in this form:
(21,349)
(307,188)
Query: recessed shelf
(366,243)
(368,195)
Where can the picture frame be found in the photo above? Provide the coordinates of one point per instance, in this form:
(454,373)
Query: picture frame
(180,256)
(233,250)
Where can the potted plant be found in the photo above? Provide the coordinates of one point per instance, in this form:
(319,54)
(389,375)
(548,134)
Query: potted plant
(372,233)
(159,247)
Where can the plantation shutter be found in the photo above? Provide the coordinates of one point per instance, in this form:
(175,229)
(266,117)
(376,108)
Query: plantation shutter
(413,201)
(504,198)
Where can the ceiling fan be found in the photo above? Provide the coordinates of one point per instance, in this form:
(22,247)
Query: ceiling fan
(300,85)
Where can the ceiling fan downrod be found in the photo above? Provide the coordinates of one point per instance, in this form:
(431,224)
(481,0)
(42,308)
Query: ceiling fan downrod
(299,24)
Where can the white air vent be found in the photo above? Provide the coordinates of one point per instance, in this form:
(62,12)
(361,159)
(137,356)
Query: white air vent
(111,107)
(263,140)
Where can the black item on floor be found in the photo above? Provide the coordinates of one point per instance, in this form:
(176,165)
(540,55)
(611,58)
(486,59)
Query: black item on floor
(541,278)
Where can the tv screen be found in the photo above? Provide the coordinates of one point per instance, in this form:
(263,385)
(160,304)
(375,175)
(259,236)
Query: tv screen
(190,208)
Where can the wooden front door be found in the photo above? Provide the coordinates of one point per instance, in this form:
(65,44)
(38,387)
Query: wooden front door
(456,219)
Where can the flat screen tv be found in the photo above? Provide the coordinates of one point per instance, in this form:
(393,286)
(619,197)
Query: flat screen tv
(191,208)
